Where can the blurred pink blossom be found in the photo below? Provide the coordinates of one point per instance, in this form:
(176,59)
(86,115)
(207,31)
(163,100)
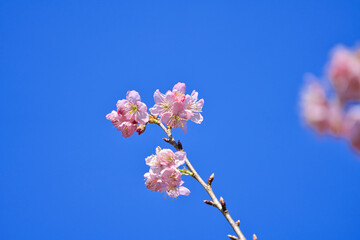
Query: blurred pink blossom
(339,116)
(315,106)
(344,73)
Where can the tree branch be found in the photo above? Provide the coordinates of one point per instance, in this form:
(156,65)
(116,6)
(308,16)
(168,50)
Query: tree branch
(221,206)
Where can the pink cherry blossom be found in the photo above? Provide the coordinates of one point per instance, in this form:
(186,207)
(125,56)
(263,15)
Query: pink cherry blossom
(178,93)
(165,158)
(127,128)
(168,158)
(114,118)
(178,117)
(153,183)
(344,72)
(315,106)
(179,87)
(163,103)
(175,108)
(133,108)
(164,175)
(175,191)
(195,106)
(130,112)
(172,183)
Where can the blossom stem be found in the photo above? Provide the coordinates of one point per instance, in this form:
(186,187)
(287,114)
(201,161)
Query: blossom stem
(207,187)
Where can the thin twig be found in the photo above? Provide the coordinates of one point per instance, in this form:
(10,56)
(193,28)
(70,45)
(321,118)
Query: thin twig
(215,202)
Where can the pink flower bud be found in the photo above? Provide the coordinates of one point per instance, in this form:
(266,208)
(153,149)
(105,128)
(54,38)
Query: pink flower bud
(141,128)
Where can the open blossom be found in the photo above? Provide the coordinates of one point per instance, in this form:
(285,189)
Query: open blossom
(195,106)
(163,103)
(344,73)
(178,117)
(132,108)
(175,108)
(164,175)
(130,112)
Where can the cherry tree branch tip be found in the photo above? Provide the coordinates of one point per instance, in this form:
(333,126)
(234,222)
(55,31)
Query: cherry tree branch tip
(233,237)
(210,180)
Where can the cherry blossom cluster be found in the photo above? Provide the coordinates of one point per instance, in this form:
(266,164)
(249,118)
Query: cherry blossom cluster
(336,111)
(164,174)
(130,112)
(174,108)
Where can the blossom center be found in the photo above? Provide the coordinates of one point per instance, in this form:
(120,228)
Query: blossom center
(134,108)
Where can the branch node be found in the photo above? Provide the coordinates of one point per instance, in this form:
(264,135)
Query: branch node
(166,140)
(233,237)
(208,202)
(180,145)
(223,204)
(254,237)
(238,222)
(211,178)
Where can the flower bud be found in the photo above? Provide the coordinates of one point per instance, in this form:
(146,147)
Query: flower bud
(233,237)
(141,128)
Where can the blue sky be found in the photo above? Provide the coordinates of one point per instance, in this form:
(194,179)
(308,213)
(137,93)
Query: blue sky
(65,172)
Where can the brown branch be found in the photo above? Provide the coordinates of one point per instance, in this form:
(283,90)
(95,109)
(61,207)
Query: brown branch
(215,202)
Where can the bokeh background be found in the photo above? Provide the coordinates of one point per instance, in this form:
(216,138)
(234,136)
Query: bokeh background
(66,173)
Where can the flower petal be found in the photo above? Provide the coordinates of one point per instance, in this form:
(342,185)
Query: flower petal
(133,96)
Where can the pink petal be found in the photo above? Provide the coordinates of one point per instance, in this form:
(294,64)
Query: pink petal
(158,97)
(183,126)
(142,117)
(181,87)
(127,129)
(141,106)
(178,107)
(184,191)
(133,96)
(165,117)
(197,118)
